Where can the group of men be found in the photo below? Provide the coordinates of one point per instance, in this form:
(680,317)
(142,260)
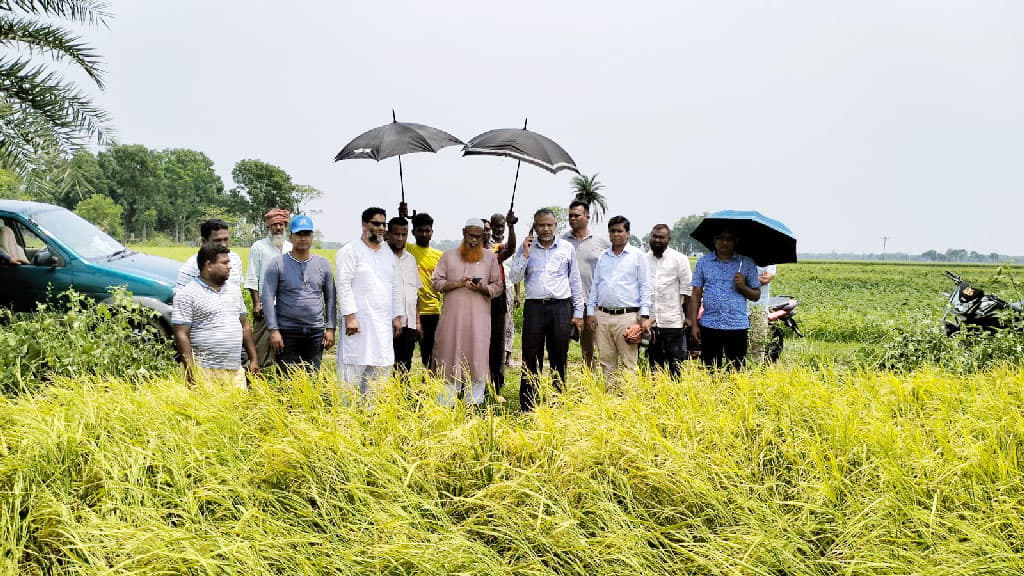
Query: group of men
(390,294)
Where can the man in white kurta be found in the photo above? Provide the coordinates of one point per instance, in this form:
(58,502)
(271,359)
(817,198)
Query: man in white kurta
(370,302)
(260,254)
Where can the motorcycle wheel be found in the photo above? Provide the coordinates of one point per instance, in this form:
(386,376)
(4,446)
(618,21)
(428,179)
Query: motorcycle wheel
(775,341)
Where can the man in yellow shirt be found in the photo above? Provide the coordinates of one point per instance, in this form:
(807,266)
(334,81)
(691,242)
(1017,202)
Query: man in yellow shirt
(428,301)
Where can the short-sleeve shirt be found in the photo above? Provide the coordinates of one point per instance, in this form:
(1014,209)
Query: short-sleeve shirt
(429,300)
(725,307)
(588,251)
(216,331)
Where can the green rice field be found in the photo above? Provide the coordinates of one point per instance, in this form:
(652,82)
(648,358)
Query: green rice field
(824,464)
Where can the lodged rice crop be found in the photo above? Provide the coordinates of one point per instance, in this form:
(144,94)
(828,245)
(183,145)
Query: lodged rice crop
(773,471)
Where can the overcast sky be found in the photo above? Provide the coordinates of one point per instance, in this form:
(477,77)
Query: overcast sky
(848,121)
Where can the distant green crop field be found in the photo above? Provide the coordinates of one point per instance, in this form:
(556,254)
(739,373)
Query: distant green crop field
(181,253)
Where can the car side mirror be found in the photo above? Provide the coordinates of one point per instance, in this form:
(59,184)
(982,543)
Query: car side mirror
(45,258)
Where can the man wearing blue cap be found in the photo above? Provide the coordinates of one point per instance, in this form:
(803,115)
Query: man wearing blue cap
(298,301)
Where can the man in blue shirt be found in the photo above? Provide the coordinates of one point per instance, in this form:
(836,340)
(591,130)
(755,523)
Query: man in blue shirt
(620,297)
(554,302)
(299,301)
(723,281)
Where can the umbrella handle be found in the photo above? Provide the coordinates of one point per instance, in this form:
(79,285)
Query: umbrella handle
(515,185)
(401,177)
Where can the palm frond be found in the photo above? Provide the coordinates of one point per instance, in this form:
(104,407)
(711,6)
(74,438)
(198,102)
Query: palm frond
(54,41)
(91,12)
(40,113)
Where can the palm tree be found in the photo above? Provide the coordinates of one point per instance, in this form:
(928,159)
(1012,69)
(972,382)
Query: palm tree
(41,113)
(586,189)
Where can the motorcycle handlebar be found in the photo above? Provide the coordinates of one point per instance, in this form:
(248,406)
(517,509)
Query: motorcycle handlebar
(952,276)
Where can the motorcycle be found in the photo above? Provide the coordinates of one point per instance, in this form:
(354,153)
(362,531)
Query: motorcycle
(781,310)
(970,306)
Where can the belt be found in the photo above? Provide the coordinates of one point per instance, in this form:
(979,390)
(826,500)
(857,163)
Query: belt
(547,300)
(617,311)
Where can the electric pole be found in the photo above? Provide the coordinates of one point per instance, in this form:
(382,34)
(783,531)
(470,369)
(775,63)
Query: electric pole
(885,240)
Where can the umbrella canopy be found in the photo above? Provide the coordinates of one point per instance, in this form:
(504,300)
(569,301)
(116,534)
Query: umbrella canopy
(395,139)
(524,145)
(764,239)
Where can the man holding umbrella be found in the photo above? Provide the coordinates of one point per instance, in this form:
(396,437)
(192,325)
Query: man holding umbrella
(723,281)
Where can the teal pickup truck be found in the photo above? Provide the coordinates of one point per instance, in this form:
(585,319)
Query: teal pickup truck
(63,250)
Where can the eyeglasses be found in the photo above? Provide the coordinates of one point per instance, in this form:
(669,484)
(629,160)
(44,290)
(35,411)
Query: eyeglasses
(475,236)
(377,223)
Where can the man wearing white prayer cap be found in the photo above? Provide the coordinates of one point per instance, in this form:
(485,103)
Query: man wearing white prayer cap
(468,276)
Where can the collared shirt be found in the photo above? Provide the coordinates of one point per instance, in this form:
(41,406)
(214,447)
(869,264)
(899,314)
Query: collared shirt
(766,289)
(189,271)
(670,280)
(408,276)
(725,307)
(216,331)
(429,300)
(549,273)
(621,281)
(260,254)
(587,252)
(299,294)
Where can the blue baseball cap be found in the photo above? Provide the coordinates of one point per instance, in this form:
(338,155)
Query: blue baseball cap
(302,223)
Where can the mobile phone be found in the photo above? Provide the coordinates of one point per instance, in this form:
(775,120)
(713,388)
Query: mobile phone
(476,279)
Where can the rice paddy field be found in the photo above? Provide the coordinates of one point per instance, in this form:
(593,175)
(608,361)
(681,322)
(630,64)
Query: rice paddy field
(825,463)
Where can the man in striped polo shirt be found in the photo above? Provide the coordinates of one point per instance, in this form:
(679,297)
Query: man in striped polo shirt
(210,322)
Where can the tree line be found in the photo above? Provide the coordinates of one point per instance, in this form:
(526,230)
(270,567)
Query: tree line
(141,194)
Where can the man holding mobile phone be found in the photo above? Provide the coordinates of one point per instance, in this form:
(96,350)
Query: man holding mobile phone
(554,302)
(469,277)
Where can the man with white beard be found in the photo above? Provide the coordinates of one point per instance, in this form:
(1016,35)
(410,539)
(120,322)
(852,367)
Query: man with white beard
(370,301)
(260,255)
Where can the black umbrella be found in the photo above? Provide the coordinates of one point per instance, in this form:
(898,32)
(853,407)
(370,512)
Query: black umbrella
(395,139)
(524,146)
(765,240)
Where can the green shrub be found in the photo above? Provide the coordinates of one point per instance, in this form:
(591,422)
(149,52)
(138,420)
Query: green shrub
(79,337)
(922,341)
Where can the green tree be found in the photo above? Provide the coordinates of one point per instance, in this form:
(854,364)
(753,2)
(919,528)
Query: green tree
(681,239)
(65,181)
(103,212)
(260,186)
(41,113)
(304,194)
(587,189)
(10,184)
(190,188)
(133,175)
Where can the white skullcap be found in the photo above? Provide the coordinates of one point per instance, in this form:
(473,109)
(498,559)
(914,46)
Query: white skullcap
(474,222)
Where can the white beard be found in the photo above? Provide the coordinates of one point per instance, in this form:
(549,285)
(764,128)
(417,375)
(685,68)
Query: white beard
(277,240)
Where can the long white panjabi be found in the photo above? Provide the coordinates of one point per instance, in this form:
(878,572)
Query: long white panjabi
(367,287)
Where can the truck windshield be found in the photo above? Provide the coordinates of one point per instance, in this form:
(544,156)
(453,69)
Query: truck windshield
(77,233)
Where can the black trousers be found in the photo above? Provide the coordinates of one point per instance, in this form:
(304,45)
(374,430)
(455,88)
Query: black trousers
(496,352)
(718,344)
(405,344)
(546,324)
(429,324)
(668,349)
(302,347)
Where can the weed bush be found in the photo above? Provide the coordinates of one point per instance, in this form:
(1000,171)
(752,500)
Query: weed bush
(78,337)
(923,342)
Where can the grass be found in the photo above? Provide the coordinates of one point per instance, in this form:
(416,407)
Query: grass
(787,471)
